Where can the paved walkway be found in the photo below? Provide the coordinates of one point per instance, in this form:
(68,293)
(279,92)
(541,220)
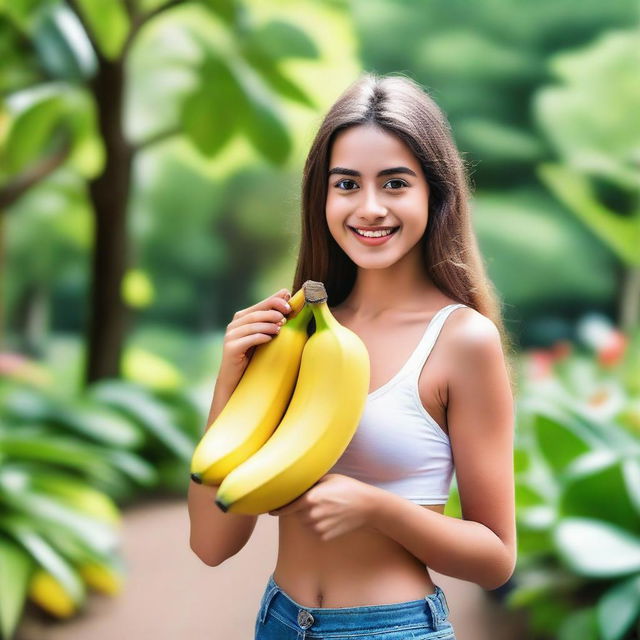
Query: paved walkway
(170,593)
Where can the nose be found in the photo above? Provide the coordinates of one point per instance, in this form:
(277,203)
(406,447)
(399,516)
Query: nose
(372,208)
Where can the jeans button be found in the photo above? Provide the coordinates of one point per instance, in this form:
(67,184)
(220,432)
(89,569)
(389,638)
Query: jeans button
(305,619)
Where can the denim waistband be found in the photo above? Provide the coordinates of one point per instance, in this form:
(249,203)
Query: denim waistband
(431,611)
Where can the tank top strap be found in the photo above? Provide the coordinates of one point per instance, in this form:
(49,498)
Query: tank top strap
(422,351)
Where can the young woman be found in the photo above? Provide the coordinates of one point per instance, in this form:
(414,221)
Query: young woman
(355,549)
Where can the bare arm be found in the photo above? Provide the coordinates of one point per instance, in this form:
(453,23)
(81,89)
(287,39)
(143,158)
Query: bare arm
(215,535)
(481,547)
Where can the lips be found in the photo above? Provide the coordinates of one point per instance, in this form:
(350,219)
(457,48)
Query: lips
(373,240)
(393,229)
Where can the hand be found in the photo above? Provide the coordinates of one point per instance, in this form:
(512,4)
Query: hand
(335,505)
(249,328)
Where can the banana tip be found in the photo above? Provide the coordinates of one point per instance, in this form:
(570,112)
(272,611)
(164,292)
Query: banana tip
(222,506)
(196,477)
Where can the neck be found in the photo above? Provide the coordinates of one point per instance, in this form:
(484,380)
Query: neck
(403,286)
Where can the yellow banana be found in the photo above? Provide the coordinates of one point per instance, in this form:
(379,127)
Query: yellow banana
(46,591)
(106,578)
(321,418)
(258,402)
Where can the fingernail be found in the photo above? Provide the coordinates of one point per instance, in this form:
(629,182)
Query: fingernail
(288,307)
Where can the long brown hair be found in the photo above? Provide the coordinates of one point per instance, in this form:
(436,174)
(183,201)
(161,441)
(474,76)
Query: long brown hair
(452,259)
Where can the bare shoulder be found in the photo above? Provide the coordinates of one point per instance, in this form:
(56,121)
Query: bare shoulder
(471,328)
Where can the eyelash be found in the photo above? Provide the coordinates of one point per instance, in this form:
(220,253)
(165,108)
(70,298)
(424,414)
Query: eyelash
(404,184)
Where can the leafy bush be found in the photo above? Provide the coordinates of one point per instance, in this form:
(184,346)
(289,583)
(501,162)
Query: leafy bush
(66,466)
(577,468)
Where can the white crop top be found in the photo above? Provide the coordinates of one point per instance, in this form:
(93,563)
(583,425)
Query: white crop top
(398,446)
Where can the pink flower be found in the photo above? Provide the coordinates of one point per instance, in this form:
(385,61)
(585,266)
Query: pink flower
(613,349)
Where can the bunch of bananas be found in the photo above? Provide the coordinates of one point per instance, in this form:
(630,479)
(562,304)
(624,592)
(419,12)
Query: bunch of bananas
(292,415)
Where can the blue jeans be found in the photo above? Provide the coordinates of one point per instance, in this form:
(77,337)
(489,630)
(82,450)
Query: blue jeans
(282,618)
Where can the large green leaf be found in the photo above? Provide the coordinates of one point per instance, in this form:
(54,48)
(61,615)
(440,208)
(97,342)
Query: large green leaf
(185,409)
(210,115)
(595,487)
(109,24)
(62,44)
(590,116)
(528,496)
(16,566)
(45,117)
(71,491)
(270,72)
(53,449)
(17,494)
(101,424)
(77,551)
(579,625)
(45,555)
(139,404)
(597,549)
(573,188)
(619,608)
(278,39)
(36,117)
(233,12)
(97,423)
(560,439)
(262,120)
(631,471)
(101,463)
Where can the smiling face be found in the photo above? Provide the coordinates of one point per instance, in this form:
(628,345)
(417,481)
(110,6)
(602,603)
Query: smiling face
(362,192)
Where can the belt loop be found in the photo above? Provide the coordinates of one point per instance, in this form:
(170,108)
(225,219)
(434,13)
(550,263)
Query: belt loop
(266,600)
(443,600)
(438,613)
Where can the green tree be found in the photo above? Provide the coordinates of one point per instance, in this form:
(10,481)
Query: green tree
(66,104)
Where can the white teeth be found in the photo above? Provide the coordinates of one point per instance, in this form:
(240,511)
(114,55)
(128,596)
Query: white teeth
(374,234)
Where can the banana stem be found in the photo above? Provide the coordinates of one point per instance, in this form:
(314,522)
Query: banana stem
(296,302)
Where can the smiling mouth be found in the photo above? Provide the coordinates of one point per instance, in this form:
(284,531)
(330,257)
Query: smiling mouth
(387,232)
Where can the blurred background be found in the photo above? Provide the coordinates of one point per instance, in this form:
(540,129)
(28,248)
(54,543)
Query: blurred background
(151,154)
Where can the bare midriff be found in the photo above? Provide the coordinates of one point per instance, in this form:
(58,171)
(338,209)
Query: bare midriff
(365,567)
(360,568)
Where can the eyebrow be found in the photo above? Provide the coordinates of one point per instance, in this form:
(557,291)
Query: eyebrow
(384,172)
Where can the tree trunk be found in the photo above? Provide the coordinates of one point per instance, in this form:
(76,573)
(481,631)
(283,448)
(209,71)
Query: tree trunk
(109,192)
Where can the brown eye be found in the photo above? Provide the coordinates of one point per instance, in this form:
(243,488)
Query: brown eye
(402,182)
(345,180)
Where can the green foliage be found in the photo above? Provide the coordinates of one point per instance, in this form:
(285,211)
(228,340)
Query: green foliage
(40,118)
(578,495)
(590,118)
(109,24)
(68,463)
(211,115)
(589,115)
(620,234)
(537,253)
(63,48)
(16,566)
